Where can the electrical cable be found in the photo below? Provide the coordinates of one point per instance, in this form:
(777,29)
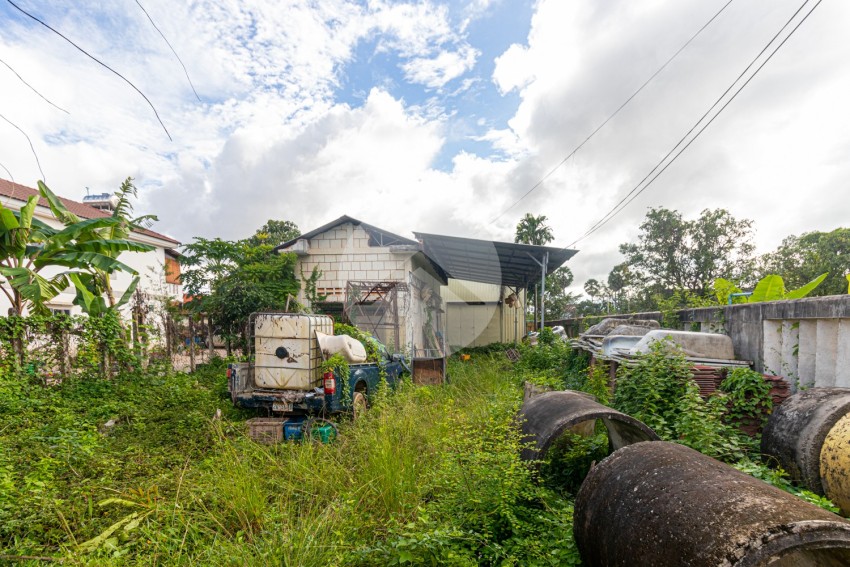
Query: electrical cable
(6,169)
(171,48)
(615,113)
(98,61)
(637,190)
(37,162)
(33,88)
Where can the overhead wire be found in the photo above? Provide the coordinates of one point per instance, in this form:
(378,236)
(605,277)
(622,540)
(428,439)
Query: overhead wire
(638,190)
(615,113)
(33,88)
(168,43)
(6,169)
(96,60)
(37,162)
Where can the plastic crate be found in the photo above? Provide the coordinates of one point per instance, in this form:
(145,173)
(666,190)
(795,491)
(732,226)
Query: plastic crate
(293,429)
(324,433)
(266,430)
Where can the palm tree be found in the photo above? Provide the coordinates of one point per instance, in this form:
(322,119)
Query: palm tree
(533,230)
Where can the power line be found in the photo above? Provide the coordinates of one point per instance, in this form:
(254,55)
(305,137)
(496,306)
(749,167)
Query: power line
(171,48)
(637,190)
(18,128)
(9,173)
(33,88)
(96,60)
(615,113)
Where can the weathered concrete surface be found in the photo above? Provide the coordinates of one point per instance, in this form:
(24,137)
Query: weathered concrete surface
(795,433)
(661,504)
(545,417)
(835,464)
(745,324)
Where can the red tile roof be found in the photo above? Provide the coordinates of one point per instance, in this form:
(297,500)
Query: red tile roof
(22,193)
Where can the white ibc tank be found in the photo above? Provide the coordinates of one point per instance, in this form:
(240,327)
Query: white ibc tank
(287,354)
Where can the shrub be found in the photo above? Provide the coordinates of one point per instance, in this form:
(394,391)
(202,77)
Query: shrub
(659,391)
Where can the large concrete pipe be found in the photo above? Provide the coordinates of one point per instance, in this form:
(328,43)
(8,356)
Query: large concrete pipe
(547,416)
(662,504)
(809,436)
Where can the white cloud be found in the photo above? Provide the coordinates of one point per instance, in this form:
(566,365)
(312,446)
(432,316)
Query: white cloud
(436,71)
(270,139)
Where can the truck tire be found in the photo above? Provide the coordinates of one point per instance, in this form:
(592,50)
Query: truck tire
(359,405)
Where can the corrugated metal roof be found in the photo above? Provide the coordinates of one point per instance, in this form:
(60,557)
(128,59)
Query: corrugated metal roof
(22,193)
(488,261)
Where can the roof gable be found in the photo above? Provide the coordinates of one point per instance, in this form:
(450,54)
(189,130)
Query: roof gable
(377,236)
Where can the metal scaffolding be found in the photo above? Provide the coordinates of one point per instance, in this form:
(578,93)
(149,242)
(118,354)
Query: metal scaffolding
(379,307)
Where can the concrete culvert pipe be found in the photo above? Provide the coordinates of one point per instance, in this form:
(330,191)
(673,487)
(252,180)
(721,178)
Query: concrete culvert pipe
(796,437)
(547,416)
(662,504)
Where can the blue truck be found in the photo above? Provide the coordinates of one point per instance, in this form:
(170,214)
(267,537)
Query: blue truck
(285,377)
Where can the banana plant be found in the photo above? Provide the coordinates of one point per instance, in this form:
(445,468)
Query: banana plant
(769,288)
(29,245)
(108,240)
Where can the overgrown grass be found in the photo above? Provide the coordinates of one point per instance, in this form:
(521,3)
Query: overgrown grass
(430,475)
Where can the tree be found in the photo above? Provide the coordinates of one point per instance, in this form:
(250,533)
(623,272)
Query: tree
(559,302)
(229,280)
(274,233)
(620,280)
(92,285)
(261,280)
(674,254)
(533,230)
(593,288)
(799,259)
(28,246)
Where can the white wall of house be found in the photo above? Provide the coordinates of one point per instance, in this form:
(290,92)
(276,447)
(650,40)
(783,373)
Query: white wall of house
(343,254)
(476,315)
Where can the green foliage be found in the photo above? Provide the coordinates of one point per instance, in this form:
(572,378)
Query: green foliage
(533,230)
(230,280)
(310,289)
(801,259)
(770,288)
(274,233)
(89,248)
(659,391)
(677,254)
(569,459)
(597,382)
(779,478)
(375,351)
(431,477)
(676,301)
(748,397)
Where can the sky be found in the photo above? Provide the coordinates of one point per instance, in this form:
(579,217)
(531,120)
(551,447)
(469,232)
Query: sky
(431,116)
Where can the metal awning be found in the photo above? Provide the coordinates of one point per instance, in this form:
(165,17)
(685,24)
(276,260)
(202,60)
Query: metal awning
(487,261)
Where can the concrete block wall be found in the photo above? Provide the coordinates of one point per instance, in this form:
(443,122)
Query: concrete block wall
(806,341)
(343,254)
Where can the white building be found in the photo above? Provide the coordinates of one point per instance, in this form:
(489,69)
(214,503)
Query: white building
(158,269)
(450,292)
